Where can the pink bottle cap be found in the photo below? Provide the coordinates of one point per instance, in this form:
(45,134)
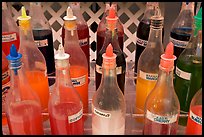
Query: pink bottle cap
(109,58)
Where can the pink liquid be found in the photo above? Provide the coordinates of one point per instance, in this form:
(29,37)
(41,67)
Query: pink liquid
(194,128)
(25,119)
(59,120)
(153,128)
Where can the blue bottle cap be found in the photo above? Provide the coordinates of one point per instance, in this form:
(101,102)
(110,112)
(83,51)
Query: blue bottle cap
(14,55)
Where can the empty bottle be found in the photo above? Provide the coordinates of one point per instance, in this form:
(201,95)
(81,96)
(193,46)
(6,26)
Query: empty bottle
(78,62)
(194,124)
(162,106)
(143,30)
(65,105)
(111,36)
(148,63)
(23,109)
(43,37)
(108,102)
(10,32)
(181,29)
(188,73)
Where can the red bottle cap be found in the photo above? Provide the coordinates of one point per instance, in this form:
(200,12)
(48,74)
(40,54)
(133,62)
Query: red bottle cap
(111,18)
(109,58)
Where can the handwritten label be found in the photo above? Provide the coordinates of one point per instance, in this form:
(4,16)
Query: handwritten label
(5,76)
(183,74)
(161,119)
(9,37)
(196,118)
(148,76)
(118,69)
(178,43)
(79,81)
(102,114)
(75,117)
(141,42)
(41,43)
(83,42)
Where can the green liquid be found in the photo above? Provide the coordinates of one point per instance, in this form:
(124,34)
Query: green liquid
(186,89)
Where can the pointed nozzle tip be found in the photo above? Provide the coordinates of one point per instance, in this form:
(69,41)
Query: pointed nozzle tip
(70,16)
(23,14)
(109,51)
(14,55)
(111,12)
(169,51)
(61,55)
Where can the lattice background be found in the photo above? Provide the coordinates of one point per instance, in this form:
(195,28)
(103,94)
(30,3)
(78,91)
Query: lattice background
(129,14)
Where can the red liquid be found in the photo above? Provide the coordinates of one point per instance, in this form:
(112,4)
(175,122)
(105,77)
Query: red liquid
(59,119)
(9,38)
(194,128)
(83,35)
(25,118)
(101,37)
(153,128)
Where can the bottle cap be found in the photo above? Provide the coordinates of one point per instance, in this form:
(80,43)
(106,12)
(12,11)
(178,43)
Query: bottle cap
(167,59)
(112,18)
(109,58)
(70,19)
(23,14)
(61,55)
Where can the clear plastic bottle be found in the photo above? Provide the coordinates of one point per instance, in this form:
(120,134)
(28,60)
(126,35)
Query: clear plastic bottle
(82,31)
(78,62)
(34,61)
(108,102)
(65,105)
(101,30)
(181,29)
(5,84)
(194,124)
(162,106)
(188,73)
(148,63)
(43,37)
(143,30)
(111,36)
(10,32)
(23,109)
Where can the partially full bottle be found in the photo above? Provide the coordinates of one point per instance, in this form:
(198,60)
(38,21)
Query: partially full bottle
(65,105)
(5,84)
(78,62)
(43,37)
(194,124)
(101,30)
(82,31)
(34,61)
(188,73)
(143,30)
(181,29)
(111,36)
(10,32)
(23,108)
(148,63)
(162,106)
(108,102)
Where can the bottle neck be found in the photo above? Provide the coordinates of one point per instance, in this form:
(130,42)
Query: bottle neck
(155,36)
(71,35)
(26,33)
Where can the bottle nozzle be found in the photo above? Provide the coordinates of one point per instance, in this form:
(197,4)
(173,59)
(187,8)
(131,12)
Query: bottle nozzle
(109,58)
(109,51)
(70,16)
(61,55)
(111,18)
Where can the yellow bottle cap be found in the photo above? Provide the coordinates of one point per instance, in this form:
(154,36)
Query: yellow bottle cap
(70,19)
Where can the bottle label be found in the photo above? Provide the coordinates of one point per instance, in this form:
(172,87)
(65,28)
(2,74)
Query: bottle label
(183,74)
(83,42)
(148,76)
(196,118)
(161,119)
(9,37)
(178,43)
(79,81)
(41,43)
(118,69)
(5,90)
(5,76)
(141,42)
(102,114)
(75,117)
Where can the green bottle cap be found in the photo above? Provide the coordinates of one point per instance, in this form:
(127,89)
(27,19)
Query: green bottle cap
(198,19)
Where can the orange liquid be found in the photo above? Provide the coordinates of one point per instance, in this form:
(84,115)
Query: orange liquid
(143,88)
(39,83)
(78,71)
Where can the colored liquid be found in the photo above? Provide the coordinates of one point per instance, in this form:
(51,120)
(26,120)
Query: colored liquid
(59,119)
(186,89)
(153,128)
(45,45)
(120,61)
(9,38)
(39,83)
(101,37)
(115,125)
(143,88)
(76,72)
(25,118)
(194,128)
(83,35)
(181,34)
